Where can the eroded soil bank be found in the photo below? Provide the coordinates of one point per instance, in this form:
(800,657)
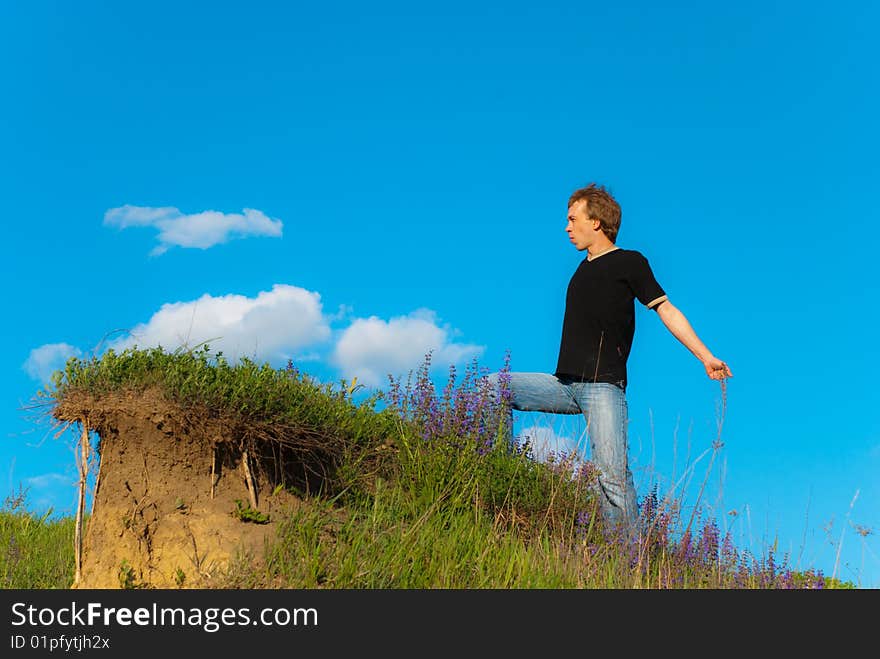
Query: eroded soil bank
(166,496)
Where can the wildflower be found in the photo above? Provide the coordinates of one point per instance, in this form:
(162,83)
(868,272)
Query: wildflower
(708,546)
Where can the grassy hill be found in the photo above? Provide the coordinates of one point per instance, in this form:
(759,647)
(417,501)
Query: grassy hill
(337,494)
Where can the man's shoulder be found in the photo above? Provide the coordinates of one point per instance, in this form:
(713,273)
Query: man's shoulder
(631,255)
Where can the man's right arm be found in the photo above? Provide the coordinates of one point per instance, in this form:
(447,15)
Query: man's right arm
(681,329)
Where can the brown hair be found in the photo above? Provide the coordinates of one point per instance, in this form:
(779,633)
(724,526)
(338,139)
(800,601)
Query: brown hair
(600,206)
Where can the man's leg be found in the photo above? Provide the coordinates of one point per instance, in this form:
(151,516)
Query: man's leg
(533,392)
(605,409)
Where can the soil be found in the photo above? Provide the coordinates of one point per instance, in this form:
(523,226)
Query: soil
(156,521)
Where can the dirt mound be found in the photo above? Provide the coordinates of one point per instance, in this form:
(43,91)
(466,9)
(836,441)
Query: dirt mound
(167,493)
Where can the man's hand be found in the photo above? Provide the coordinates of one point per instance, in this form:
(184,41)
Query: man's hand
(717,369)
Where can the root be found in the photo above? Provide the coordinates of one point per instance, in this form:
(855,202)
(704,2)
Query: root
(214,477)
(81,500)
(249,480)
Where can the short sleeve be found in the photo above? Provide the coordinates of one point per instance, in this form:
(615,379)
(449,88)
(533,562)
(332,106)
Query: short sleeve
(643,283)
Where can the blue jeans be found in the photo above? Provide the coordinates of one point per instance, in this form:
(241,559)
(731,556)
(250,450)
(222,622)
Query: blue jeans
(604,408)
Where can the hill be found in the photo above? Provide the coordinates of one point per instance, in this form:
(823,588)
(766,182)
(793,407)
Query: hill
(209,474)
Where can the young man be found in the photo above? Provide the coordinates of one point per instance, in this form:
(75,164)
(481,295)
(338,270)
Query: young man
(597,334)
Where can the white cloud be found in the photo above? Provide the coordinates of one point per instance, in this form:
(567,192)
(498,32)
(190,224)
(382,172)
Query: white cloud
(287,322)
(48,358)
(271,325)
(544,440)
(46,481)
(201,230)
(44,492)
(371,348)
(341,313)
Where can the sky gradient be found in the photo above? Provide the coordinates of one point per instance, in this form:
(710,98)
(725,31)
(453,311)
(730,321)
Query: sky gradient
(350,186)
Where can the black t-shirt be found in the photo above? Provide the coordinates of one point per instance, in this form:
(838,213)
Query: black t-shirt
(600,320)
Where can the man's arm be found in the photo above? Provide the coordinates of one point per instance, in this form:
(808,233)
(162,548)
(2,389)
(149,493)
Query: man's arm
(681,329)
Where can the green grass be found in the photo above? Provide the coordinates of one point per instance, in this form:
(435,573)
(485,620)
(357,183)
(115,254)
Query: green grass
(35,552)
(402,511)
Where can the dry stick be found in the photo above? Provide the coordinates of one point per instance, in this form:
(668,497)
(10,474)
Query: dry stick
(252,491)
(840,544)
(281,465)
(81,499)
(213,468)
(97,484)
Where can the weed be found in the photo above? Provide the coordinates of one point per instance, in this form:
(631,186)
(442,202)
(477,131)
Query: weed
(127,577)
(245,513)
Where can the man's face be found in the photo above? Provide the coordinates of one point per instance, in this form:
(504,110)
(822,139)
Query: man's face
(581,229)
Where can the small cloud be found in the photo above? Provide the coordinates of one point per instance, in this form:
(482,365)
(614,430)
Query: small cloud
(47,359)
(307,357)
(342,312)
(47,481)
(199,230)
(272,325)
(49,491)
(371,348)
(545,441)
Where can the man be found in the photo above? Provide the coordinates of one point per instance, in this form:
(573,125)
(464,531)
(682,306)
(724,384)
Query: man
(597,334)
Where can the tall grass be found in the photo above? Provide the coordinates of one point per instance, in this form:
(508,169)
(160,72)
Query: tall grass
(35,551)
(451,505)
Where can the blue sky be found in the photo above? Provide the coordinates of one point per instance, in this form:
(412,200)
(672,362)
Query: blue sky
(350,186)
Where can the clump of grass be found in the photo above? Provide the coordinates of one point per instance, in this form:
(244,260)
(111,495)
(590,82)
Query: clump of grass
(387,546)
(200,379)
(35,551)
(127,577)
(245,513)
(257,405)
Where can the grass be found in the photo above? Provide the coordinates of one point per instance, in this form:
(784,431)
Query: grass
(424,494)
(35,552)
